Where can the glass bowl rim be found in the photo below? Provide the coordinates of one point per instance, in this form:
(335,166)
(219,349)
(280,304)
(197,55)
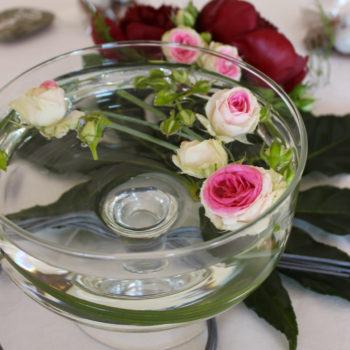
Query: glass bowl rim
(218,241)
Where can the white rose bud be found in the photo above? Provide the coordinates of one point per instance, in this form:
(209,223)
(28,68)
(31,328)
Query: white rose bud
(231,114)
(200,158)
(60,129)
(41,106)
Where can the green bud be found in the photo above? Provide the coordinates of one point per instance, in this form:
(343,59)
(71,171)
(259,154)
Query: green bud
(165,97)
(180,76)
(141,82)
(206,36)
(289,173)
(156,73)
(91,131)
(159,84)
(201,87)
(4,158)
(186,117)
(192,9)
(185,19)
(170,126)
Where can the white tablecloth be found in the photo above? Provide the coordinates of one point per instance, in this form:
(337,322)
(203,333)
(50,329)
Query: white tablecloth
(324,322)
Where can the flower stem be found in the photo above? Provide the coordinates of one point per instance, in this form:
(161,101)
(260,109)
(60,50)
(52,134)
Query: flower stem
(138,102)
(141,122)
(142,136)
(192,134)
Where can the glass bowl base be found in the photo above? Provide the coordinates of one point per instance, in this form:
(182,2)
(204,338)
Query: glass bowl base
(188,337)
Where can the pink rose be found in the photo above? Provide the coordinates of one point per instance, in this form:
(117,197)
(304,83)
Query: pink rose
(237,194)
(231,114)
(220,65)
(186,36)
(49,84)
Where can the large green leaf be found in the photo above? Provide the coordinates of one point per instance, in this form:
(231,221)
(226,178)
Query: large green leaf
(326,207)
(301,243)
(329,144)
(272,303)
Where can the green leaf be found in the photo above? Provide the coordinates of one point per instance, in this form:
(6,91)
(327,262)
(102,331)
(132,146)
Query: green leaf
(326,207)
(329,144)
(201,87)
(165,97)
(301,243)
(101,28)
(3,160)
(92,60)
(302,98)
(272,303)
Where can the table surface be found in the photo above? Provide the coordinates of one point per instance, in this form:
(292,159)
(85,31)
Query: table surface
(324,322)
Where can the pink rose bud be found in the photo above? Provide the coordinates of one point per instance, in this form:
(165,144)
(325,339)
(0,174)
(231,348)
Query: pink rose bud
(186,36)
(221,65)
(237,194)
(49,84)
(231,114)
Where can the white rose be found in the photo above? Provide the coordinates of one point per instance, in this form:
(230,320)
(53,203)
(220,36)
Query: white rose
(41,106)
(200,158)
(221,65)
(253,189)
(60,129)
(231,114)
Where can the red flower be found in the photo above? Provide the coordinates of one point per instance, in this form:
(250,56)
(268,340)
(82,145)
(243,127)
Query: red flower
(139,23)
(238,23)
(272,53)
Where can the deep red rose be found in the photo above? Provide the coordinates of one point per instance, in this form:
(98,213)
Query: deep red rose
(272,53)
(238,23)
(139,23)
(226,19)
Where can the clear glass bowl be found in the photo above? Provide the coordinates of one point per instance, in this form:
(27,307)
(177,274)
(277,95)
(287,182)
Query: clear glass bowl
(116,244)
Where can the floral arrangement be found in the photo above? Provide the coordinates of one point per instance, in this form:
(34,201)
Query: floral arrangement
(232,192)
(202,153)
(232,27)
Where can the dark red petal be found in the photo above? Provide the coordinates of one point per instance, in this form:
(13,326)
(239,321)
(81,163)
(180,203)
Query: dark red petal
(300,73)
(226,19)
(272,53)
(139,31)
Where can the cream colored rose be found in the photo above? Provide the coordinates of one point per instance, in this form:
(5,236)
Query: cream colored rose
(200,158)
(41,106)
(221,65)
(231,114)
(60,129)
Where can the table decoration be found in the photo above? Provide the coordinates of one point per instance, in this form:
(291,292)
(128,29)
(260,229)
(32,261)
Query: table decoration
(244,32)
(142,235)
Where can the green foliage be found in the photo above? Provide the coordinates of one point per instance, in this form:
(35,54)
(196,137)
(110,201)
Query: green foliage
(326,207)
(300,243)
(272,303)
(329,144)
(3,160)
(279,158)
